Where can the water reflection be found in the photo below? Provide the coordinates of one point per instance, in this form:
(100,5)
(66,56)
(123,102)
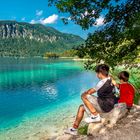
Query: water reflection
(16,74)
(50,90)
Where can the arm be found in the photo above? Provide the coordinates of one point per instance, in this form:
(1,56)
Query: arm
(88,92)
(93,90)
(115,84)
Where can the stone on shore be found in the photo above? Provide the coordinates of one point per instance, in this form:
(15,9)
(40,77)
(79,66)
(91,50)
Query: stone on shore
(108,120)
(120,119)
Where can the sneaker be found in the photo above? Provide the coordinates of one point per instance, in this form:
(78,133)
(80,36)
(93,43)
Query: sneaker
(93,119)
(71,131)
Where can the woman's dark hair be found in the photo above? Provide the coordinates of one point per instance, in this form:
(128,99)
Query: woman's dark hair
(124,75)
(102,68)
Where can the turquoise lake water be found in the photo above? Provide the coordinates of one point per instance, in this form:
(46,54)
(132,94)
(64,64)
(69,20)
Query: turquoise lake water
(39,95)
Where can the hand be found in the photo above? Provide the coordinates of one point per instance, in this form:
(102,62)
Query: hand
(84,95)
(114,82)
(111,76)
(88,92)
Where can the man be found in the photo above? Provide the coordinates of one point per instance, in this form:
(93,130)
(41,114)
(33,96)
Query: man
(94,105)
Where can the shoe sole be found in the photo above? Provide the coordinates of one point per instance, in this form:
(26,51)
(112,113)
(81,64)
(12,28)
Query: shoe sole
(70,133)
(94,122)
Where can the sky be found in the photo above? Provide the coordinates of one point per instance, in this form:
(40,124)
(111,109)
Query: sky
(37,11)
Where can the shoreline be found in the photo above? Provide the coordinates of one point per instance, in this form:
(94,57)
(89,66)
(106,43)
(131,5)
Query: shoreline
(72,58)
(44,124)
(69,58)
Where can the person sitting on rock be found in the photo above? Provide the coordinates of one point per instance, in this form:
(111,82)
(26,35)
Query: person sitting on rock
(127,90)
(104,102)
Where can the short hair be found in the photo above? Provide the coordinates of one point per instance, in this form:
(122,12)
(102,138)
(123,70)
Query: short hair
(102,68)
(124,75)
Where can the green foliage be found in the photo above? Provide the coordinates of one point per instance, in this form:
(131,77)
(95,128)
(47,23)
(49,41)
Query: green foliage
(51,55)
(118,40)
(24,39)
(82,12)
(123,52)
(69,53)
(85,12)
(135,76)
(83,130)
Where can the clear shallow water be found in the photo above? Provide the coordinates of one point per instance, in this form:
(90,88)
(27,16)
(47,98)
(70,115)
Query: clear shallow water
(34,92)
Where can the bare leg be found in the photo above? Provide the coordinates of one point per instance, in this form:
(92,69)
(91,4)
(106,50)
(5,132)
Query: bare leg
(89,105)
(79,116)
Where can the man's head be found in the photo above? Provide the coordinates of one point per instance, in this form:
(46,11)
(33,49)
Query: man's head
(102,71)
(123,76)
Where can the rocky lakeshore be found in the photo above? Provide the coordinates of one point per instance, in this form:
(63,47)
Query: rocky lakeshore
(126,128)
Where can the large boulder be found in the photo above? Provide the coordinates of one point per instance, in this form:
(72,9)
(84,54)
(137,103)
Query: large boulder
(108,119)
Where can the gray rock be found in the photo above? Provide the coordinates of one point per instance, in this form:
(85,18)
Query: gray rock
(108,120)
(64,137)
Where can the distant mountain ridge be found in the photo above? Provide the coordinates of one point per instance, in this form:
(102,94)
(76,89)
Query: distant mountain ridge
(24,39)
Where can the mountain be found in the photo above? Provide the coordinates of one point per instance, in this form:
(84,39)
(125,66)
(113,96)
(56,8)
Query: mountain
(24,39)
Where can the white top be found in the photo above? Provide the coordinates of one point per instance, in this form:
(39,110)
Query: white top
(101,83)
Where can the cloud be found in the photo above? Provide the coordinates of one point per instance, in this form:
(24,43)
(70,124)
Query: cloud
(39,12)
(100,21)
(49,20)
(33,21)
(23,19)
(86,13)
(69,18)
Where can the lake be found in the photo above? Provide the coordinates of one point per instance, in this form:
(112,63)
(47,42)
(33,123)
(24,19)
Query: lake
(40,97)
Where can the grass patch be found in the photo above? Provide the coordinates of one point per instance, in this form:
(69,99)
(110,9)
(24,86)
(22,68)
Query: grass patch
(83,130)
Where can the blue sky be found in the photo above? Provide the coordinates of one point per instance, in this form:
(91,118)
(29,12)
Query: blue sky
(37,11)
